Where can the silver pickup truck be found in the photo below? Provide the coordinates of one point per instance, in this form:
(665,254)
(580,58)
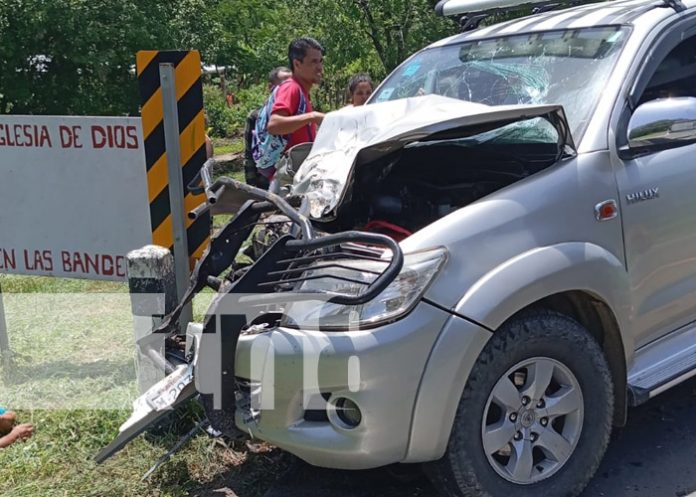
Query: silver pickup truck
(497,256)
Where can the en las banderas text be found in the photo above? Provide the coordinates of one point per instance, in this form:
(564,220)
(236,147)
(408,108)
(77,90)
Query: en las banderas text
(64,261)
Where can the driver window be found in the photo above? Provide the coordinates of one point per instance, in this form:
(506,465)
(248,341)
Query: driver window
(676,74)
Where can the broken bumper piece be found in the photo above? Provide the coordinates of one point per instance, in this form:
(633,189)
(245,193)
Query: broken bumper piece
(334,399)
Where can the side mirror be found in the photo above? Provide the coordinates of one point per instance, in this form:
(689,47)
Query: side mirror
(661,124)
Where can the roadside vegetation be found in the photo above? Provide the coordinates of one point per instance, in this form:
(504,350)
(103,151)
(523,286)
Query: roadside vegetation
(86,357)
(72,372)
(90,48)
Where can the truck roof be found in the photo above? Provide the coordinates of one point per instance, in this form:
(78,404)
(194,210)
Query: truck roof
(619,12)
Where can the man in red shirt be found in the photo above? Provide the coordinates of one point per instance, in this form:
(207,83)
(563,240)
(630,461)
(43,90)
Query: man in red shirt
(307,65)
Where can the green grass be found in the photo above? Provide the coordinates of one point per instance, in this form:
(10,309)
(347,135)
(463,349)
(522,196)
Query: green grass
(57,461)
(73,376)
(41,284)
(220,220)
(224,146)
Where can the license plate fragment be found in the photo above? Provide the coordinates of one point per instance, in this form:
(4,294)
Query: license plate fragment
(164,394)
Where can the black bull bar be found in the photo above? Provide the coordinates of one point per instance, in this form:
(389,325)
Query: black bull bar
(272,278)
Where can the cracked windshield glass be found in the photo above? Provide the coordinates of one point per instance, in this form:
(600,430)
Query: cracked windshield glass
(537,68)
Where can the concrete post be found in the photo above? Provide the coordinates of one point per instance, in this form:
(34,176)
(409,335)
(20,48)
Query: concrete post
(152,285)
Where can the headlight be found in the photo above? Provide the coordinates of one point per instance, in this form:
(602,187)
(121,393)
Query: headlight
(396,300)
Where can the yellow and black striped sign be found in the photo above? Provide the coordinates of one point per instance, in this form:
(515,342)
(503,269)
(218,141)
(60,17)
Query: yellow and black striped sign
(189,96)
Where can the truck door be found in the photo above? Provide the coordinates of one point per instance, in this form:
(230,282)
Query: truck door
(657,188)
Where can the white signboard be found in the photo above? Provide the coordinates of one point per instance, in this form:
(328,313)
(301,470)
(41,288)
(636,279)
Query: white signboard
(73,195)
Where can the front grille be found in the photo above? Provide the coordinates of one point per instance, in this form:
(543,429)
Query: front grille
(284,267)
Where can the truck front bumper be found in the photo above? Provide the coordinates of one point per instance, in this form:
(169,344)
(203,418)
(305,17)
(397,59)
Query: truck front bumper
(292,382)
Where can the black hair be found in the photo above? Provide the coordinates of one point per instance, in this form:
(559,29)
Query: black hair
(356,80)
(273,75)
(298,49)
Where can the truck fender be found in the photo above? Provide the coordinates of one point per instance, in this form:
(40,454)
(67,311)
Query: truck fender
(498,295)
(545,271)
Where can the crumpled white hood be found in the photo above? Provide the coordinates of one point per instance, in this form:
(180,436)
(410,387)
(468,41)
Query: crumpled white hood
(378,129)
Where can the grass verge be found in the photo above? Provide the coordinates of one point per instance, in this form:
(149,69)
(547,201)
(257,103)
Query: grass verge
(65,358)
(223,146)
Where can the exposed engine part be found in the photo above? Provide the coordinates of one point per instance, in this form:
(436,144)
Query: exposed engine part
(416,203)
(428,181)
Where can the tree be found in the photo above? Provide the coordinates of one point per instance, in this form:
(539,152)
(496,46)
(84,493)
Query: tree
(252,39)
(367,35)
(399,27)
(77,56)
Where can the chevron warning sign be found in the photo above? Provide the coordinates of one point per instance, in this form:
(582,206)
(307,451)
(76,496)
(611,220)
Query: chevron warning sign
(189,96)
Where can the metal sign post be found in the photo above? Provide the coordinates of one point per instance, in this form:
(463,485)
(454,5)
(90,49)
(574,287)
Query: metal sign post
(5,352)
(176,187)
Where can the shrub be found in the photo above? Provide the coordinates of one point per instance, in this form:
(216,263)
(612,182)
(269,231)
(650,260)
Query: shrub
(225,121)
(221,120)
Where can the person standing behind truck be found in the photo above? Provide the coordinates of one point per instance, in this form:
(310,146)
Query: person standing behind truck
(359,89)
(292,115)
(251,175)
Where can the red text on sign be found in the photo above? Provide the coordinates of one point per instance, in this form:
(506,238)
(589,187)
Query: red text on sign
(97,264)
(8,259)
(114,136)
(38,260)
(24,135)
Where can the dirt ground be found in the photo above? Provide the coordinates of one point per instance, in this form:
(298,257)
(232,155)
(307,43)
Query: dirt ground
(303,480)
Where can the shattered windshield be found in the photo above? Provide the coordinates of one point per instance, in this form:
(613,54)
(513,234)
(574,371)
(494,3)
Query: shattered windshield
(567,67)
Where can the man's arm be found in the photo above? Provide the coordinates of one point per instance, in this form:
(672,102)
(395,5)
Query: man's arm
(209,150)
(19,432)
(281,123)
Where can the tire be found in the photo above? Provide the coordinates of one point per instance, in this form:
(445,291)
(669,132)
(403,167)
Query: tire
(525,347)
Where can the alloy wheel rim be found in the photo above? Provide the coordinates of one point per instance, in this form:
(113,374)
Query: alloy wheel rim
(532,421)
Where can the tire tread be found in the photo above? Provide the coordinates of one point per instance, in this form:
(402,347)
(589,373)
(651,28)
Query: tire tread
(460,480)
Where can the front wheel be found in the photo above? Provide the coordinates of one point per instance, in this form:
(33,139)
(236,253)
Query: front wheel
(535,416)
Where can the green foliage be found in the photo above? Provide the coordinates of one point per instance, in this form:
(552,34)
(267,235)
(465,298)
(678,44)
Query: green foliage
(224,120)
(367,36)
(254,37)
(77,56)
(246,100)
(220,116)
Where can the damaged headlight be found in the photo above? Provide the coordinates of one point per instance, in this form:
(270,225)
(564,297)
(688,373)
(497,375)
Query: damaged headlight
(350,277)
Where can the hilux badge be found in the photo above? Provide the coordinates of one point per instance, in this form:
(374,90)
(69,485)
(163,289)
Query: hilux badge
(648,194)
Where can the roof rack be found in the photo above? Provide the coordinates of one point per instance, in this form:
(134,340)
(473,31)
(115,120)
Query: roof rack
(459,7)
(472,12)
(677,5)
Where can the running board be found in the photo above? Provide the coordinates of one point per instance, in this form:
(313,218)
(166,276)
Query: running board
(663,364)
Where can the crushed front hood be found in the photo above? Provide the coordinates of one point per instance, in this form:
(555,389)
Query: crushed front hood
(363,134)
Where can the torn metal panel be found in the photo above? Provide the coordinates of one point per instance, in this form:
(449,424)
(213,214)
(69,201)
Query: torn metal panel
(363,134)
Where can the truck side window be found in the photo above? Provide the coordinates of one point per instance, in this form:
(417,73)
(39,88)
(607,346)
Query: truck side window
(676,74)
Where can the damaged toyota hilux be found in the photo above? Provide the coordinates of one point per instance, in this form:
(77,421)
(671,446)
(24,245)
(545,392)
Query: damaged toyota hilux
(483,268)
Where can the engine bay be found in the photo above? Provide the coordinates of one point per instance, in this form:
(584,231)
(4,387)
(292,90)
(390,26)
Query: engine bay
(425,181)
